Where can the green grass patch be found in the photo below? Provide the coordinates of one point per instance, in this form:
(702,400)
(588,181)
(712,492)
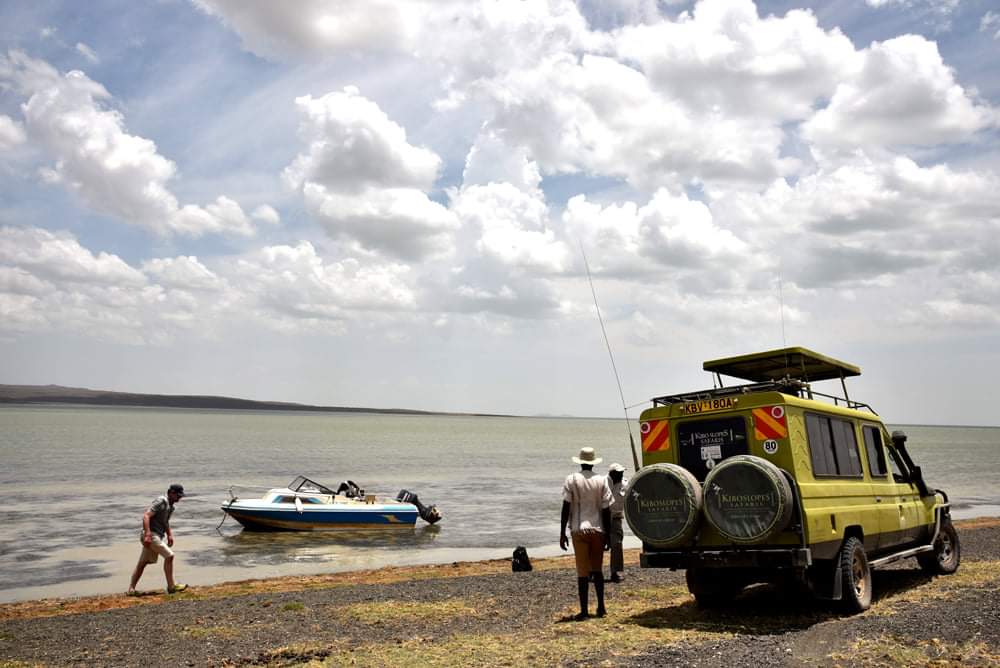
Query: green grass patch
(891,651)
(209,632)
(914,588)
(293,606)
(382,612)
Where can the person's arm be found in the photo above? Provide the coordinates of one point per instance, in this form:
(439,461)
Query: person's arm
(606,525)
(563,520)
(147,533)
(170,537)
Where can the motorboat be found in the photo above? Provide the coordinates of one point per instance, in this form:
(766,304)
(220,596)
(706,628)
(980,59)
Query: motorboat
(306,505)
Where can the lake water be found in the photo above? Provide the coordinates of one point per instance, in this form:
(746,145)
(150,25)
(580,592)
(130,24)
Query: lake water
(76,480)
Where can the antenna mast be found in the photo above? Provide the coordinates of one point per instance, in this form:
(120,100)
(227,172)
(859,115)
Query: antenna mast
(614,367)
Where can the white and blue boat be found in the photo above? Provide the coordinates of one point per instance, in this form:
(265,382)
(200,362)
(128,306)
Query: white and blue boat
(305,505)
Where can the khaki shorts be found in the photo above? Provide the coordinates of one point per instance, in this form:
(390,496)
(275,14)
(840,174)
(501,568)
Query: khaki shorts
(151,552)
(588,548)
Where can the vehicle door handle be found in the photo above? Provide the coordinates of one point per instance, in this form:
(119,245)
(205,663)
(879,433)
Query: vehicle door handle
(878,499)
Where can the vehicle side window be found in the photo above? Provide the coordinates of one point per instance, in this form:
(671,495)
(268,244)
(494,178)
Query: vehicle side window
(833,446)
(284,499)
(875,452)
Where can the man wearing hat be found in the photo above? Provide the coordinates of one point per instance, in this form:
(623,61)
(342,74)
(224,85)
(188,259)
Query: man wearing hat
(616,482)
(157,539)
(586,509)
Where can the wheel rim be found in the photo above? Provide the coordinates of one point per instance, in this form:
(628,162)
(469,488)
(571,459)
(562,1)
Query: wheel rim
(945,549)
(859,570)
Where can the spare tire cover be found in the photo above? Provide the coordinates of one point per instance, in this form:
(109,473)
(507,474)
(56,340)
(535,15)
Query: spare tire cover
(747,499)
(663,504)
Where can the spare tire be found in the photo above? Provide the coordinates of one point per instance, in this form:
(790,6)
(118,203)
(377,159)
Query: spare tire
(747,499)
(663,504)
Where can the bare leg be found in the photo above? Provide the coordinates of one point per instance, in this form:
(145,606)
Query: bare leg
(137,573)
(581,588)
(168,570)
(598,577)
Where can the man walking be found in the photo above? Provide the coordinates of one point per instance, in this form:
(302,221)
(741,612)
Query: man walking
(586,508)
(157,539)
(616,482)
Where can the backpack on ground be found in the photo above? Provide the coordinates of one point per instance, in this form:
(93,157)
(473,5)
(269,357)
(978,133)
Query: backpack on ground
(520,562)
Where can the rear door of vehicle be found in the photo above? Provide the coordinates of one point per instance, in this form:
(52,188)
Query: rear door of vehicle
(703,443)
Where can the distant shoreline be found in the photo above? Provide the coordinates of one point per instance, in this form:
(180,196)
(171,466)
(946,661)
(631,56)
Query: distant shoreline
(42,395)
(59,395)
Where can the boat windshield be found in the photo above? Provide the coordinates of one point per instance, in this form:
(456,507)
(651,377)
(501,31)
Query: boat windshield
(303,484)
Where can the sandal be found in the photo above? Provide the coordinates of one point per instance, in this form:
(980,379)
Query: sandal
(131,592)
(176,588)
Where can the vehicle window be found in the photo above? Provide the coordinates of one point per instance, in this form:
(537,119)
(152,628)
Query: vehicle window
(284,499)
(899,470)
(833,446)
(703,443)
(875,452)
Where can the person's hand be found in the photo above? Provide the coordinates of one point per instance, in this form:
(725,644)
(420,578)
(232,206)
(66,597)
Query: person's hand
(147,538)
(562,541)
(170,541)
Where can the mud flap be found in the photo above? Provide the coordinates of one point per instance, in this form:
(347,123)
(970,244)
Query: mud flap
(826,585)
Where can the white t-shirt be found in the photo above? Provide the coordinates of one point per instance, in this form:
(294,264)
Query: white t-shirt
(587,494)
(618,497)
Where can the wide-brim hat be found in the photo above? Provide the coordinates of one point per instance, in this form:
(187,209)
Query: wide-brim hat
(587,456)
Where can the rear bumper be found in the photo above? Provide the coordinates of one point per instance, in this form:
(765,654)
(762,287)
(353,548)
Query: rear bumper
(796,557)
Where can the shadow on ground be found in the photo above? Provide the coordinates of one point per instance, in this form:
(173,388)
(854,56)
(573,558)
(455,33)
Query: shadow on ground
(770,609)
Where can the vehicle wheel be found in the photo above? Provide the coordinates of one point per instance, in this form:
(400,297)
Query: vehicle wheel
(856,576)
(747,499)
(947,554)
(713,587)
(663,505)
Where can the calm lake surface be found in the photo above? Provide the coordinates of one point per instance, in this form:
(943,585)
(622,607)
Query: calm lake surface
(76,480)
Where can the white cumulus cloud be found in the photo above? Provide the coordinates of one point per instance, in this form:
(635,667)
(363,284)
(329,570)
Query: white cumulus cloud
(903,93)
(115,172)
(11,133)
(363,181)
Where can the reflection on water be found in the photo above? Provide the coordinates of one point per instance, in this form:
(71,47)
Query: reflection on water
(252,548)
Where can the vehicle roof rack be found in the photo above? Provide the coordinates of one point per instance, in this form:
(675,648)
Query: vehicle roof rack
(785,370)
(796,363)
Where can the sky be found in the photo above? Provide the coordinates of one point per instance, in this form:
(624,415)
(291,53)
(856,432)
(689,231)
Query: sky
(387,203)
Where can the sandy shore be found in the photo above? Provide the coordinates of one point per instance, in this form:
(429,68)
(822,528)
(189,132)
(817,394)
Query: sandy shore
(482,614)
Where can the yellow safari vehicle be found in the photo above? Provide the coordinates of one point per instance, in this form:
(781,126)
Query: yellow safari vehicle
(773,480)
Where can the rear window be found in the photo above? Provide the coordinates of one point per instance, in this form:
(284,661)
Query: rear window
(704,443)
(833,446)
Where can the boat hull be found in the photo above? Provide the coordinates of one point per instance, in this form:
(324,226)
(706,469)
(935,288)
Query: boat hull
(361,517)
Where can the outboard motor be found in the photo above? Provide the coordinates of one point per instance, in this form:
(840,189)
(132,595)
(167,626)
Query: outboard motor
(429,514)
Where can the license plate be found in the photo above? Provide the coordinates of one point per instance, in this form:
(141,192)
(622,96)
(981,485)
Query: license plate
(708,405)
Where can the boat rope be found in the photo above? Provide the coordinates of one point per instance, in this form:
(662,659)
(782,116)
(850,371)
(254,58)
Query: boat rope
(224,514)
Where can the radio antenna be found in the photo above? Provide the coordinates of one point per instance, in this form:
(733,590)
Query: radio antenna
(614,367)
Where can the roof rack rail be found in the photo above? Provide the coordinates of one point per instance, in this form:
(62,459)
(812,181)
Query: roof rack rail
(791,386)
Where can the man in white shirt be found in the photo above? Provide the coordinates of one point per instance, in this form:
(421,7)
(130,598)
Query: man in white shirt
(617,483)
(586,508)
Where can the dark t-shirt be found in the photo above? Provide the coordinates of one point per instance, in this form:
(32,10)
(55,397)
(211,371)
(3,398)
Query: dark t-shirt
(161,510)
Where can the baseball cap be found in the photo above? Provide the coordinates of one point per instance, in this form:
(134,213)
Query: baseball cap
(616,467)
(176,489)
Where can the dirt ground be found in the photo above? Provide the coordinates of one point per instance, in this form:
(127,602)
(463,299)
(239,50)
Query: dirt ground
(482,614)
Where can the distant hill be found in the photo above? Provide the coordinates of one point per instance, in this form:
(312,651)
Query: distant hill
(58,394)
